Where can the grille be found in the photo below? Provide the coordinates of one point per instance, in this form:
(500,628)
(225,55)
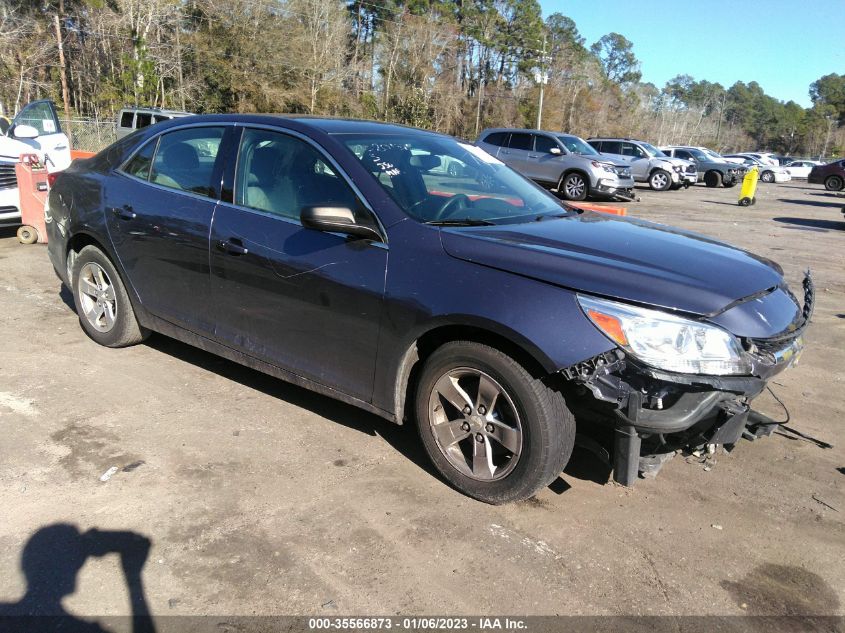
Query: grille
(7,176)
(7,209)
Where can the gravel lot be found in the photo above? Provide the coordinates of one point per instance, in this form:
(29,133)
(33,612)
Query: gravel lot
(261,498)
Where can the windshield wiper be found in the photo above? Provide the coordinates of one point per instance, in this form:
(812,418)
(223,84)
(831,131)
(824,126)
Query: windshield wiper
(461,222)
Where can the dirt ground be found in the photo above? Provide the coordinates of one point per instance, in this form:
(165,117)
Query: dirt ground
(262,498)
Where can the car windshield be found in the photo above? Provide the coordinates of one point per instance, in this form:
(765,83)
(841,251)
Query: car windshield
(577,145)
(652,150)
(699,155)
(712,154)
(441,180)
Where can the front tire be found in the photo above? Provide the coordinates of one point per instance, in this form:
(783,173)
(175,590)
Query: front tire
(660,180)
(574,186)
(105,312)
(712,179)
(493,431)
(833,183)
(767,176)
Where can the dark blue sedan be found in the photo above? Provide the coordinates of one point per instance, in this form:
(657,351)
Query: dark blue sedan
(419,278)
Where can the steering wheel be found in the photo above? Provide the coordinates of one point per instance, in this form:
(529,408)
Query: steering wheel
(451,205)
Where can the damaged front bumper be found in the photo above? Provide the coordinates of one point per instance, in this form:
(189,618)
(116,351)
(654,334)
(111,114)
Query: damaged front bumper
(655,412)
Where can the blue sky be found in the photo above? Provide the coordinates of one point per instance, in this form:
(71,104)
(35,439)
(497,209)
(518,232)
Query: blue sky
(784,45)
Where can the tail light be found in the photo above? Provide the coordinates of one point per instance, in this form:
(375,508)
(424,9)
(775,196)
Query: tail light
(51,178)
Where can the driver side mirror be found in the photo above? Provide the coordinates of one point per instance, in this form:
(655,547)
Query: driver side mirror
(555,151)
(25,131)
(336,220)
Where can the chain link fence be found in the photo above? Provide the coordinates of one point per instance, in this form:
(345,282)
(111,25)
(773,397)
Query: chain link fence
(90,135)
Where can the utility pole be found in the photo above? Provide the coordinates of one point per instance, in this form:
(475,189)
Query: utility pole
(62,68)
(542,78)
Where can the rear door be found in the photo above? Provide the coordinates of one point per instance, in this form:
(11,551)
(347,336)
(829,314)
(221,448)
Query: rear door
(304,300)
(51,142)
(516,154)
(158,212)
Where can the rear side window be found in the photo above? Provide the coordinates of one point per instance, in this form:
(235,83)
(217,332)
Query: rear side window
(544,144)
(185,160)
(496,138)
(611,147)
(143,119)
(126,119)
(140,164)
(520,141)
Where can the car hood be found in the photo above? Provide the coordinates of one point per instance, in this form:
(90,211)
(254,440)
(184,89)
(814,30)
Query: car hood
(675,161)
(620,258)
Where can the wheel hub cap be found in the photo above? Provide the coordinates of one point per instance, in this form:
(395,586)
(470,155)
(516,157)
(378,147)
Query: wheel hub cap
(485,443)
(96,297)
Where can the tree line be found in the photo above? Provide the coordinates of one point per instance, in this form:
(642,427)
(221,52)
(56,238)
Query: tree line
(453,66)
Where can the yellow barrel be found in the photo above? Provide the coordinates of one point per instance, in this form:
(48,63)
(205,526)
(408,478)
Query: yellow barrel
(748,191)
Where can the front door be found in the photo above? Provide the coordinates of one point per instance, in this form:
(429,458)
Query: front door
(303,300)
(51,142)
(637,159)
(159,217)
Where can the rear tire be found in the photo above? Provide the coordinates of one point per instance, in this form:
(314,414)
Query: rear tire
(767,176)
(507,453)
(105,312)
(574,186)
(712,179)
(833,183)
(660,180)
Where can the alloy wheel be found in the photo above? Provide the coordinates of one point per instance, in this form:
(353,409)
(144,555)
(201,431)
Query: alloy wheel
(475,424)
(659,181)
(574,187)
(97,297)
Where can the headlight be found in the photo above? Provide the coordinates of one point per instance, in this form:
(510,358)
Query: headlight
(604,166)
(666,341)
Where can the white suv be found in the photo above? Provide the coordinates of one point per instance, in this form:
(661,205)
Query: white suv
(36,129)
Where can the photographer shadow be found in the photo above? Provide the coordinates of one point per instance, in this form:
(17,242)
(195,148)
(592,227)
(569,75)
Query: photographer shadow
(51,561)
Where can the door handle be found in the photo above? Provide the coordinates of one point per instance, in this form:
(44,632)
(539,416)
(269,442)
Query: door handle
(233,246)
(124,213)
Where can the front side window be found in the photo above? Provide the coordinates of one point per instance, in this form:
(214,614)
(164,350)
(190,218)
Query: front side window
(544,144)
(280,174)
(629,149)
(185,160)
(40,116)
(439,179)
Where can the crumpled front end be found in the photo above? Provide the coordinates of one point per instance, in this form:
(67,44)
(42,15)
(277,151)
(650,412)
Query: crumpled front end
(655,413)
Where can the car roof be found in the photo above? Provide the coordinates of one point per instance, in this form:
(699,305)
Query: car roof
(326,125)
(155,110)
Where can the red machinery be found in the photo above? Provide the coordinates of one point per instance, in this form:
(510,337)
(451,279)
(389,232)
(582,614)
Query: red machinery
(32,185)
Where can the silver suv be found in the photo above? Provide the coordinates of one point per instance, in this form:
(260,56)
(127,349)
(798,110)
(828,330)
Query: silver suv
(649,164)
(134,118)
(563,162)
